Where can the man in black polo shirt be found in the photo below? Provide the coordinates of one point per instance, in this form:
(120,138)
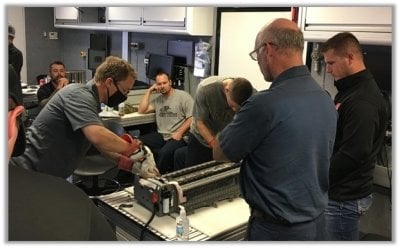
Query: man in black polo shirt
(361,129)
(58,80)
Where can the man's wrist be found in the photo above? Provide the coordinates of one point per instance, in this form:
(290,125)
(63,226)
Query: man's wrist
(132,145)
(211,142)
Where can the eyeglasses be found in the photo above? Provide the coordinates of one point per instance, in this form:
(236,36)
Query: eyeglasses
(253,54)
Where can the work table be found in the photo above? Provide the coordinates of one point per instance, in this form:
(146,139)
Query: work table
(226,220)
(131,119)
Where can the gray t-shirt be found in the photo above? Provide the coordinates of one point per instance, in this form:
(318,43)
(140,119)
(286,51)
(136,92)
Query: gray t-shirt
(55,141)
(211,107)
(171,111)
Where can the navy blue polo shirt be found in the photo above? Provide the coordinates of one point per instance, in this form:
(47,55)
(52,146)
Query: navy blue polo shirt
(285,137)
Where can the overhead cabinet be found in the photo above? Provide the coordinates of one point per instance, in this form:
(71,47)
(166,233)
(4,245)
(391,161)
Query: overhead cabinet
(92,15)
(164,16)
(125,15)
(65,15)
(173,20)
(79,15)
(370,24)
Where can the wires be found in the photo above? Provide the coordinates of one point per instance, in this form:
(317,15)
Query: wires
(153,213)
(154,199)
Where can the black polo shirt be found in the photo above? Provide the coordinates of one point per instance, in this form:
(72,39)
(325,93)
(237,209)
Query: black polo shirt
(45,91)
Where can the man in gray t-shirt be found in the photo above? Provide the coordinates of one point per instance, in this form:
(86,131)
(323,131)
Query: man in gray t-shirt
(216,101)
(69,123)
(173,110)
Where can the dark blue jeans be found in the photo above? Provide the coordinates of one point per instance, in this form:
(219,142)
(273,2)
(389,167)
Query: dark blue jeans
(163,150)
(193,154)
(342,218)
(260,230)
(197,153)
(179,158)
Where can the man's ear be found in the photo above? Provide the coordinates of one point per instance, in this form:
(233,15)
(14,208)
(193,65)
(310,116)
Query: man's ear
(108,82)
(350,57)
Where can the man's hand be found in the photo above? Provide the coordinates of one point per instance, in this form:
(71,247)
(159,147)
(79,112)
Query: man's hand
(138,158)
(154,88)
(134,146)
(176,136)
(62,82)
(140,163)
(144,164)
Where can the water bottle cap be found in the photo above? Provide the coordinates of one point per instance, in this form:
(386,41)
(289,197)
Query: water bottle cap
(182,210)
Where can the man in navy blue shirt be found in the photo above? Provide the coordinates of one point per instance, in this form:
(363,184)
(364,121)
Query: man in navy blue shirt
(284,137)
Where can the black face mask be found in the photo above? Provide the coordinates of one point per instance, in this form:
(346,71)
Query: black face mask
(116,98)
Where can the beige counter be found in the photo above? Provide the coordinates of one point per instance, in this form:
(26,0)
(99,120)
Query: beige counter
(131,119)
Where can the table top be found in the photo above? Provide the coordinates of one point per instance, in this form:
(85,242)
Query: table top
(131,119)
(205,223)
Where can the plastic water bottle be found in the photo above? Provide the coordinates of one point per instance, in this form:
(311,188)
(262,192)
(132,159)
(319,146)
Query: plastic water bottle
(182,225)
(121,109)
(179,228)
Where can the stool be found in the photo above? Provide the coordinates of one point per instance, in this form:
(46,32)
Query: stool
(92,167)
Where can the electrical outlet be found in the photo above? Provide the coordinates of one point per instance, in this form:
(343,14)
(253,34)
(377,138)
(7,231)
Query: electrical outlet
(53,35)
(83,54)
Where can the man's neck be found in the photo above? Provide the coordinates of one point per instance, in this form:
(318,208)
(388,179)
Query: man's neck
(170,92)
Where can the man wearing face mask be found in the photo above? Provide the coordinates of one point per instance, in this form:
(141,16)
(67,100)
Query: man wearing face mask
(46,194)
(69,123)
(57,82)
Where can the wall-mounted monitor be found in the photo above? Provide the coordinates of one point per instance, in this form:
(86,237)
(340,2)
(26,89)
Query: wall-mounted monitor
(159,63)
(182,50)
(99,41)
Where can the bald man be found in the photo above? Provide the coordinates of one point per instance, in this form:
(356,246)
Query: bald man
(284,138)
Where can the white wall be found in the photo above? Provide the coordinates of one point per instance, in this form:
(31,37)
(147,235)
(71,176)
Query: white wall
(238,33)
(16,17)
